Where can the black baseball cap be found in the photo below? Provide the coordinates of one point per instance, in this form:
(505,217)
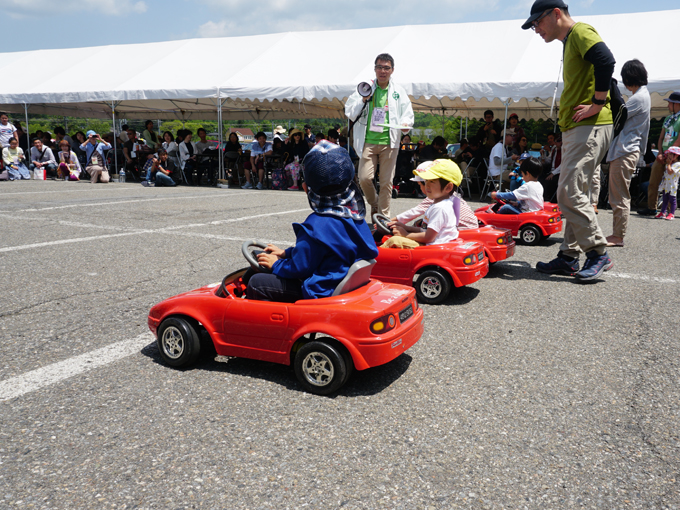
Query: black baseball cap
(539,7)
(673,98)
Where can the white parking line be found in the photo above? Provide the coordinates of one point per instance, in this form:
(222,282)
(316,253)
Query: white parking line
(221,194)
(51,374)
(642,277)
(72,190)
(165,230)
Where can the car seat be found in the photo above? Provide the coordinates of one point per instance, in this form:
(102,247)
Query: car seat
(358,275)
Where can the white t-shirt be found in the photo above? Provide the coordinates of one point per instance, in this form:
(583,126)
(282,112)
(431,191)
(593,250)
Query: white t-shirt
(6,134)
(497,152)
(441,218)
(530,196)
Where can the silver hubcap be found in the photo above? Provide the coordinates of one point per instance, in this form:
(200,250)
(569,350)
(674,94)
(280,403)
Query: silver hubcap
(529,236)
(318,369)
(172,342)
(431,287)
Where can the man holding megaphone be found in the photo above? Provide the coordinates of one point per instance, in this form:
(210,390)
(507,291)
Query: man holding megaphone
(374,109)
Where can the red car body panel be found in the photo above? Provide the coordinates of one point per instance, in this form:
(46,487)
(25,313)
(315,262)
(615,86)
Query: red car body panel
(268,331)
(396,265)
(498,242)
(547,222)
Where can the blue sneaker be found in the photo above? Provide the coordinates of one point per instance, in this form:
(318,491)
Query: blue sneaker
(594,266)
(559,265)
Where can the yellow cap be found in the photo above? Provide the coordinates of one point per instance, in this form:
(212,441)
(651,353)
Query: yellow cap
(442,169)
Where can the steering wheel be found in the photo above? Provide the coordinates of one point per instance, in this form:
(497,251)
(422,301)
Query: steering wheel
(380,221)
(250,256)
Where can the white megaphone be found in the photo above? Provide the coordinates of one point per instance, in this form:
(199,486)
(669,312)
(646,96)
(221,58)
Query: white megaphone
(364,89)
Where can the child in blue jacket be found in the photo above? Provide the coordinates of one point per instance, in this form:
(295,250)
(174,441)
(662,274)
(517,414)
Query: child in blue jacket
(329,241)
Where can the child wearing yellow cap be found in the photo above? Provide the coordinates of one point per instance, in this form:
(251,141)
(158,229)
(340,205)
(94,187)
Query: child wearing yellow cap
(441,219)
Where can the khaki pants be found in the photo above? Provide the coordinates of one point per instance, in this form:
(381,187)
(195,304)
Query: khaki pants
(620,173)
(582,150)
(400,242)
(371,156)
(654,180)
(595,187)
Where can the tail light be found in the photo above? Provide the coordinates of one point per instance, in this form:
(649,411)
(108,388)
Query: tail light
(480,256)
(383,324)
(501,240)
(470,259)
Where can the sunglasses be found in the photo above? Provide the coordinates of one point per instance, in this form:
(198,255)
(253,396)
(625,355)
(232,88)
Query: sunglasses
(535,24)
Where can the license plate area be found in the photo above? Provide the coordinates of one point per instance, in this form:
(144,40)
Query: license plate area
(406,314)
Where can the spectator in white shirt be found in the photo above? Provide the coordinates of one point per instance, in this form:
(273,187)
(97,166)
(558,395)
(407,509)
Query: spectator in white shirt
(43,157)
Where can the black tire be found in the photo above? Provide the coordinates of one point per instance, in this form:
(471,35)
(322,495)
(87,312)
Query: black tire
(433,286)
(530,235)
(178,342)
(395,193)
(320,368)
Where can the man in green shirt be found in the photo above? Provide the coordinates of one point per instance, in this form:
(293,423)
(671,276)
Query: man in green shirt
(668,138)
(586,124)
(379,145)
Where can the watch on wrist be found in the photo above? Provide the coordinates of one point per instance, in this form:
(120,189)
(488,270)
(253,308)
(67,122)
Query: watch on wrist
(598,102)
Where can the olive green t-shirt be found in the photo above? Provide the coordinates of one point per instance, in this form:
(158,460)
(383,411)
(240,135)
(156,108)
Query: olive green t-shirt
(579,79)
(379,100)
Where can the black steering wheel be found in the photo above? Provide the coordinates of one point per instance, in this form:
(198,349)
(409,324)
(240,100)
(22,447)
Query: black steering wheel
(251,256)
(380,221)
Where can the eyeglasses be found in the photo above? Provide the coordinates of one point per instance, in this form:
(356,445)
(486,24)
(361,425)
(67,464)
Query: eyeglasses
(535,24)
(383,68)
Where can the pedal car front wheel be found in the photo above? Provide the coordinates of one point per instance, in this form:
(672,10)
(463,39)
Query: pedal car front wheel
(178,342)
(433,287)
(320,368)
(530,235)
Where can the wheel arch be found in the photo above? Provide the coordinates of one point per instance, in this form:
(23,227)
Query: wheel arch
(427,265)
(337,341)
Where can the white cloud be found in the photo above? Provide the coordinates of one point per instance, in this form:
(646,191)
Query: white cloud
(36,8)
(235,18)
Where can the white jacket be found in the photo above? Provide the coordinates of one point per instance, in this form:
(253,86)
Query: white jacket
(400,112)
(184,153)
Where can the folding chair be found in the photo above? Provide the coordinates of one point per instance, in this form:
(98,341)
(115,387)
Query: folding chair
(490,182)
(232,159)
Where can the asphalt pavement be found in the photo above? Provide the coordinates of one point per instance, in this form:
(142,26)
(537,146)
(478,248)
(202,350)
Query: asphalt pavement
(525,391)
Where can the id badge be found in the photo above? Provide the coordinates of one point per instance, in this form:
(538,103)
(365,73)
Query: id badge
(378,118)
(668,139)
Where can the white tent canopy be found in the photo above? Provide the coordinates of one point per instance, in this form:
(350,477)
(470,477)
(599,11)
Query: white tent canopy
(470,67)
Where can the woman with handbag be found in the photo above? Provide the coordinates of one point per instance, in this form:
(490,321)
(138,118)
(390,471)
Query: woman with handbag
(69,166)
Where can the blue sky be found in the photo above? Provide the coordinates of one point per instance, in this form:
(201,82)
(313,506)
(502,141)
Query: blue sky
(43,24)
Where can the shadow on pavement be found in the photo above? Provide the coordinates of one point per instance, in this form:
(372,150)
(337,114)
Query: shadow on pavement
(361,383)
(519,270)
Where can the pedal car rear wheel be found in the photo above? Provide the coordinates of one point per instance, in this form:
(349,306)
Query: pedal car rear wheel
(530,235)
(433,286)
(320,368)
(178,342)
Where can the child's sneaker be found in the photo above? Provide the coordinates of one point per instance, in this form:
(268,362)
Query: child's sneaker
(594,266)
(661,215)
(559,265)
(670,217)
(293,188)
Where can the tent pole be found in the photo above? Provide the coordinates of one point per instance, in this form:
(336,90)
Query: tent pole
(28,138)
(505,130)
(115,138)
(466,125)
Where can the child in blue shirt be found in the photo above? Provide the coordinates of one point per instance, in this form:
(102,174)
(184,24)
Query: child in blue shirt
(329,241)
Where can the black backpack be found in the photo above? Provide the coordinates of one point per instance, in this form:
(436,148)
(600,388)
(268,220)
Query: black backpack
(618,106)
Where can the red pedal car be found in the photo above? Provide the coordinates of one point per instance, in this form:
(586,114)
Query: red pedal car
(435,268)
(364,324)
(530,227)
